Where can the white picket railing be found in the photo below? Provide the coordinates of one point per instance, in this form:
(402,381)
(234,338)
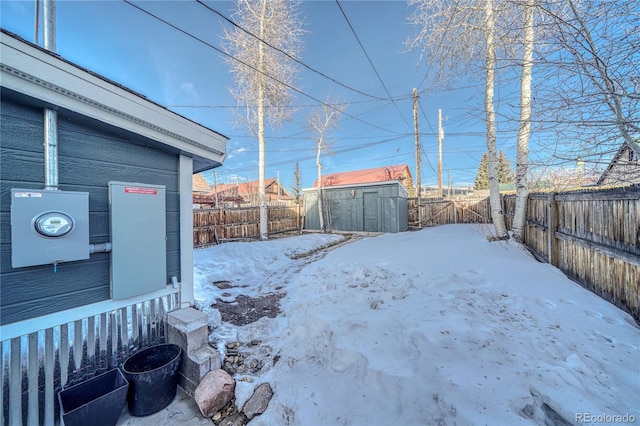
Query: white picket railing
(36,366)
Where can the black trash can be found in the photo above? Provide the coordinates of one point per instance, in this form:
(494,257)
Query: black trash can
(153,378)
(97,402)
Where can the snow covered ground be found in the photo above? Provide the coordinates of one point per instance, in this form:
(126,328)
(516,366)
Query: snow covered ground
(434,327)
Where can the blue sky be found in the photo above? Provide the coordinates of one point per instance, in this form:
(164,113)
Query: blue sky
(173,69)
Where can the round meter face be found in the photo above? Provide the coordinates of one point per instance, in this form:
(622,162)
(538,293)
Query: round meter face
(53,224)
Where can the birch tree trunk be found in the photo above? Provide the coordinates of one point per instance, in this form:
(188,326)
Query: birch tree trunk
(322,121)
(490,122)
(319,165)
(261,146)
(263,74)
(524,130)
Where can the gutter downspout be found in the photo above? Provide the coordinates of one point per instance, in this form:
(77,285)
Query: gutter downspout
(50,116)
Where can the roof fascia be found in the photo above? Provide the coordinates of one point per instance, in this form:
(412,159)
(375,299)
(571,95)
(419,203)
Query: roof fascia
(28,69)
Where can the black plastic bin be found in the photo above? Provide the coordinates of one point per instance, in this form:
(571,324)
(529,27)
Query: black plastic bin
(97,402)
(153,378)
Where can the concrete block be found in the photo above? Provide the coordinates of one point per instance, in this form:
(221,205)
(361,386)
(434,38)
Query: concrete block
(195,366)
(187,385)
(188,329)
(187,319)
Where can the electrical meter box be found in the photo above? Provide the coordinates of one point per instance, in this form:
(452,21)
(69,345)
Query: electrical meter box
(48,227)
(138,238)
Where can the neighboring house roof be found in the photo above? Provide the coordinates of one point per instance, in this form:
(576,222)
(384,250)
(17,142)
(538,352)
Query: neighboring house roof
(249,189)
(200,185)
(624,168)
(377,174)
(32,71)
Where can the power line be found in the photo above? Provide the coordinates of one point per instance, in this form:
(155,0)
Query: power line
(280,106)
(253,68)
(371,63)
(313,156)
(287,54)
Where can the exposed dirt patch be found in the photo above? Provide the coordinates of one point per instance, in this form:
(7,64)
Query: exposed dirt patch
(224,285)
(245,309)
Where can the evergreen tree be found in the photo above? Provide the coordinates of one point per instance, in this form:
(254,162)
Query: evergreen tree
(482,177)
(296,185)
(505,172)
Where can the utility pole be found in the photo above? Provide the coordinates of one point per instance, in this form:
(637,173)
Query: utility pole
(440,137)
(417,138)
(215,187)
(278,183)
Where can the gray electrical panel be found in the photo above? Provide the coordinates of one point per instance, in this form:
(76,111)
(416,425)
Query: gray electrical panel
(48,227)
(138,238)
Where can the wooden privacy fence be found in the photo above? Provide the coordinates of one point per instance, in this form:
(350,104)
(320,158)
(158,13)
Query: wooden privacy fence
(593,237)
(443,211)
(211,226)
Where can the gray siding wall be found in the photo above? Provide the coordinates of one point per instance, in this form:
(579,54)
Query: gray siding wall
(90,155)
(344,208)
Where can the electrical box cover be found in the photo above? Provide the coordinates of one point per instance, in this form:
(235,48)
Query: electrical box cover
(138,238)
(48,227)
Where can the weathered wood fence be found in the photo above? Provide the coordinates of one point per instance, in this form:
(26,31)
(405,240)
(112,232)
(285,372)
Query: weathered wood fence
(592,236)
(214,225)
(443,211)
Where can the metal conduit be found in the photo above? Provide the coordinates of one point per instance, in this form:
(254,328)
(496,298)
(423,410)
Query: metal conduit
(50,149)
(50,116)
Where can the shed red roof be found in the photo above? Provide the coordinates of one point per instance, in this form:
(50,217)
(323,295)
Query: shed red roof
(377,174)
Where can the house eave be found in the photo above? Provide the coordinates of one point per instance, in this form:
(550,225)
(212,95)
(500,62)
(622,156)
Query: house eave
(30,70)
(615,160)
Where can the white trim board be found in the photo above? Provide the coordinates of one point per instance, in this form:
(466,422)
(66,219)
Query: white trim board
(33,325)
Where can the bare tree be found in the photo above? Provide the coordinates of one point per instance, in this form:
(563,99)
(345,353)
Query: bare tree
(593,71)
(564,178)
(263,74)
(321,122)
(457,35)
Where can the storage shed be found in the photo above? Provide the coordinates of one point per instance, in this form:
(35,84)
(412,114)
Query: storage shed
(368,207)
